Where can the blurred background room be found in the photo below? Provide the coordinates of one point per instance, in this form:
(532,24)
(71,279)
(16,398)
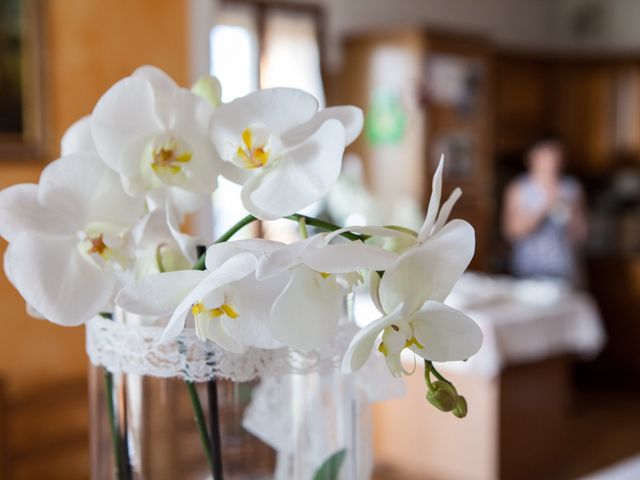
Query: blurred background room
(535,105)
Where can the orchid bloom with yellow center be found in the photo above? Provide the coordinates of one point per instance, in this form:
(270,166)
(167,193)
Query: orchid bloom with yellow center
(69,250)
(226,301)
(106,246)
(154,134)
(283,151)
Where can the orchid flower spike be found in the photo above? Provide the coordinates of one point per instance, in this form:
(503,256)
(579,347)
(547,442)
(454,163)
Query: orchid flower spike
(285,153)
(69,247)
(154,134)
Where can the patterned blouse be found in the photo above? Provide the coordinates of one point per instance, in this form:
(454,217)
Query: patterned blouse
(548,251)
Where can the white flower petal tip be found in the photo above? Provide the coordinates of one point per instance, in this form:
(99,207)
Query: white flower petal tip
(78,138)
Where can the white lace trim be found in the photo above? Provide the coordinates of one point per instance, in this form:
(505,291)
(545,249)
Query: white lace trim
(135,349)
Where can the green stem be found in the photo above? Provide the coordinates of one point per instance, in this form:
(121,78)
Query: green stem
(200,421)
(296,217)
(200,264)
(115,434)
(323,225)
(302,227)
(428,367)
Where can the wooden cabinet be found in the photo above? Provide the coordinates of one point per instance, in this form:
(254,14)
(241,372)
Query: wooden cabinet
(592,104)
(460,126)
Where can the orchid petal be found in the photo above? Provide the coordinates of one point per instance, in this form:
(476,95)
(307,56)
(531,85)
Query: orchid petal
(190,116)
(362,343)
(159,80)
(159,294)
(304,174)
(445,211)
(187,243)
(283,258)
(306,314)
(232,270)
(374,290)
(56,280)
(20,212)
(78,137)
(219,253)
(351,118)
(434,202)
(431,270)
(278,109)
(125,113)
(252,300)
(444,333)
(82,186)
(214,330)
(347,257)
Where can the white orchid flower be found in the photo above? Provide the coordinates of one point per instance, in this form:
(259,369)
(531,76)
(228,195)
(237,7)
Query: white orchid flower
(155,136)
(228,304)
(67,238)
(306,314)
(410,296)
(160,246)
(285,153)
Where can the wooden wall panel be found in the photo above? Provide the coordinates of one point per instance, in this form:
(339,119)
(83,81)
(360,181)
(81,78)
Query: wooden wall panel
(88,45)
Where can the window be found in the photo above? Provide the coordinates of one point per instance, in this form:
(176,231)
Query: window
(255,44)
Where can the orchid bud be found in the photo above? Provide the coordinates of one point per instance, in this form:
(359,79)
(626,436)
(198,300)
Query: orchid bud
(461,407)
(443,396)
(209,88)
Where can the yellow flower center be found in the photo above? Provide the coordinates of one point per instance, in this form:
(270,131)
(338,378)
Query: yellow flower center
(382,348)
(252,156)
(199,310)
(167,161)
(98,246)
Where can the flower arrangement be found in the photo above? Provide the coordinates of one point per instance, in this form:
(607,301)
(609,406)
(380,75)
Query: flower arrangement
(101,230)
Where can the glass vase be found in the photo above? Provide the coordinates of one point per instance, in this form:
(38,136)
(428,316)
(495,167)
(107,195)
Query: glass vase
(300,418)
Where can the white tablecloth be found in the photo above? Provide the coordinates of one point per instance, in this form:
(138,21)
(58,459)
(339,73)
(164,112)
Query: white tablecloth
(522,321)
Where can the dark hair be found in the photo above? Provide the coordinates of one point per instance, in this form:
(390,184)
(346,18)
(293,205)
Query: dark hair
(546,139)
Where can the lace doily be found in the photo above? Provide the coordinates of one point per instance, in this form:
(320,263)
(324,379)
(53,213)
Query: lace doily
(135,349)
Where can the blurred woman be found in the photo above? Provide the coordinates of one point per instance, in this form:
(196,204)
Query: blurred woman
(544,217)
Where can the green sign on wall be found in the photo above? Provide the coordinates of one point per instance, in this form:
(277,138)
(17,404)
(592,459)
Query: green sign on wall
(385,120)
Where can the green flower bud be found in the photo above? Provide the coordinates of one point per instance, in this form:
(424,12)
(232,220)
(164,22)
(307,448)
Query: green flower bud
(208,87)
(443,396)
(461,407)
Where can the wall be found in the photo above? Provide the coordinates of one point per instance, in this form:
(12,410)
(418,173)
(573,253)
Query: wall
(603,26)
(516,23)
(88,46)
